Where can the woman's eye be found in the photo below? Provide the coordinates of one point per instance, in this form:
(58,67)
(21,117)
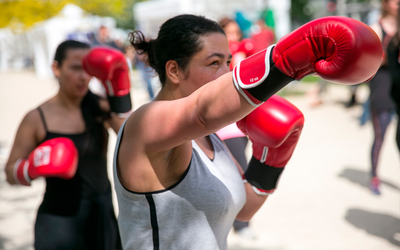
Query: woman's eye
(76,68)
(215,63)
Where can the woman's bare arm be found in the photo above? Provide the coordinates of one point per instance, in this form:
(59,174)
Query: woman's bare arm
(253,200)
(163,125)
(25,141)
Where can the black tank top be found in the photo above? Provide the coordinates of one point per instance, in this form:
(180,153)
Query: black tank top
(380,85)
(62,197)
(385,39)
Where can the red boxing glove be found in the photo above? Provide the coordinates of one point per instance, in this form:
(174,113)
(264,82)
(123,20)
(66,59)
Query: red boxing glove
(339,49)
(57,157)
(110,66)
(274,128)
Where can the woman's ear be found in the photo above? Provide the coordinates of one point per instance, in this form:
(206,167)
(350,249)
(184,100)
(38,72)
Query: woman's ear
(56,69)
(172,71)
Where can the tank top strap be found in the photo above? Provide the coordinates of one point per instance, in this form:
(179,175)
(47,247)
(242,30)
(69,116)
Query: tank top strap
(42,116)
(385,37)
(383,32)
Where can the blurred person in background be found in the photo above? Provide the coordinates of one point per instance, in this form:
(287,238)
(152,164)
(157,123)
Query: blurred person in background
(178,186)
(103,38)
(380,102)
(393,59)
(239,46)
(353,96)
(65,140)
(146,73)
(262,35)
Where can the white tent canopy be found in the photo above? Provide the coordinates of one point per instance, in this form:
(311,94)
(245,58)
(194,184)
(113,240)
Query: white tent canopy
(42,40)
(149,15)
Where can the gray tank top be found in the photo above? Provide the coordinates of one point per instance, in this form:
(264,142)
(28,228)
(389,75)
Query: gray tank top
(195,213)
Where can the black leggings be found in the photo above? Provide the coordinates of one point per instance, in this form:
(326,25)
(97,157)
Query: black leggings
(93,227)
(398,130)
(380,122)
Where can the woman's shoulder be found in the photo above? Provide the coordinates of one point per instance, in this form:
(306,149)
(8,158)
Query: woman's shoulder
(31,117)
(32,124)
(44,108)
(145,110)
(36,115)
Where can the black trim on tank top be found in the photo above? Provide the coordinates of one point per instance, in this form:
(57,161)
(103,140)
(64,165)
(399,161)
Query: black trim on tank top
(42,116)
(384,34)
(163,190)
(179,181)
(154,222)
(146,193)
(213,147)
(59,134)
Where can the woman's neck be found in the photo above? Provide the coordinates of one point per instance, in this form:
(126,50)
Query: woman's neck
(168,92)
(389,21)
(67,101)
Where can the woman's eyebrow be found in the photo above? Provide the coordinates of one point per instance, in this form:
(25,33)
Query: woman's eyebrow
(222,56)
(217,55)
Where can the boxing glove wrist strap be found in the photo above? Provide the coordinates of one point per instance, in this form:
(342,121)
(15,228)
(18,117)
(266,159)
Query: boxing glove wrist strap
(262,176)
(257,190)
(21,175)
(257,83)
(120,104)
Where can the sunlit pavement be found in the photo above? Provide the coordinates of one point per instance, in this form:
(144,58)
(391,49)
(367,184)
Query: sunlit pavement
(322,202)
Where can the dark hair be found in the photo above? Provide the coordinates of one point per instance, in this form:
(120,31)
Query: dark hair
(94,118)
(178,39)
(62,49)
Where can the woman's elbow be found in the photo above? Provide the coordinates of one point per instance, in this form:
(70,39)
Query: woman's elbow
(245,217)
(9,176)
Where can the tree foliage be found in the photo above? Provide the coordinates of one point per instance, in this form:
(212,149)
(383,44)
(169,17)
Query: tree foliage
(121,10)
(27,12)
(297,12)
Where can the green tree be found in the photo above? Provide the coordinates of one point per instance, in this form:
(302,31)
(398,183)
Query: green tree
(298,12)
(27,12)
(121,10)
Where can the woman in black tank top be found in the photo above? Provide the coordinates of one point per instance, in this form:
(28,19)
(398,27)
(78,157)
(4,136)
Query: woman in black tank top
(393,58)
(381,105)
(75,213)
